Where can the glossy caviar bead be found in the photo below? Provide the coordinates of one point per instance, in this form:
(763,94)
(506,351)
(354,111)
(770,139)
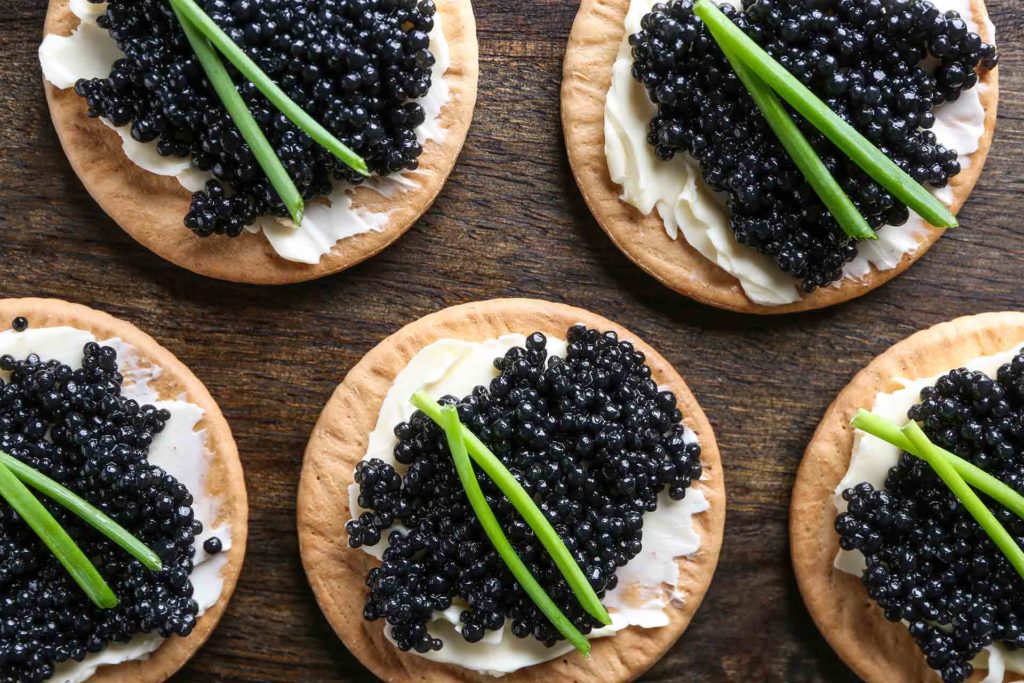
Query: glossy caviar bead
(928,562)
(213,545)
(19,324)
(357,67)
(862,57)
(74,426)
(590,436)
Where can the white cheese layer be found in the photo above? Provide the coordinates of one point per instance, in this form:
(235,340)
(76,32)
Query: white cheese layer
(871,461)
(647,585)
(179,450)
(685,204)
(89,52)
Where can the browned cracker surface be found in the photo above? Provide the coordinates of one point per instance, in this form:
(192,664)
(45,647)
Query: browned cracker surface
(877,649)
(339,440)
(586,78)
(224,478)
(151,208)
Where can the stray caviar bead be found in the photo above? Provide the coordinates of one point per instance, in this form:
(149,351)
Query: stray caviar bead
(74,426)
(20,324)
(862,57)
(929,563)
(213,545)
(357,67)
(589,436)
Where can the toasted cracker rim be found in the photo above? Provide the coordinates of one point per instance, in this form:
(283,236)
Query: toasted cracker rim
(224,478)
(151,208)
(339,439)
(587,72)
(876,649)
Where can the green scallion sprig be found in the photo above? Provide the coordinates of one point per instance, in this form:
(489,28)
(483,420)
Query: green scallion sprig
(529,511)
(50,532)
(890,432)
(928,452)
(261,148)
(457,445)
(844,136)
(234,54)
(84,510)
(801,152)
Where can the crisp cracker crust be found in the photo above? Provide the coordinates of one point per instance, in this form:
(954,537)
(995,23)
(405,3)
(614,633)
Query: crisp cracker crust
(151,208)
(337,573)
(587,74)
(224,478)
(876,649)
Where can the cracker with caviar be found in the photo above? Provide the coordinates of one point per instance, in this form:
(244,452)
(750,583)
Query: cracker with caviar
(657,464)
(928,562)
(364,70)
(69,412)
(681,170)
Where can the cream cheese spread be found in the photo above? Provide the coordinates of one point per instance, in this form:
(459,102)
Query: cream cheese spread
(685,204)
(871,460)
(179,450)
(647,584)
(89,52)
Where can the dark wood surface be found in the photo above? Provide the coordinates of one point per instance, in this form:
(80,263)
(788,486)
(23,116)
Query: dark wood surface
(509,223)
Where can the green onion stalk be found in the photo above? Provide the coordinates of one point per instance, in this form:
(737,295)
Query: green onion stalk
(50,532)
(524,504)
(801,152)
(84,510)
(234,54)
(890,432)
(844,136)
(457,445)
(243,119)
(928,452)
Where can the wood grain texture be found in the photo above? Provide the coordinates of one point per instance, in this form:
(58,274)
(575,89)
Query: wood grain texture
(510,222)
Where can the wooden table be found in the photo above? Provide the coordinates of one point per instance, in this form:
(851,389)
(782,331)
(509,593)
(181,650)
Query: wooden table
(509,223)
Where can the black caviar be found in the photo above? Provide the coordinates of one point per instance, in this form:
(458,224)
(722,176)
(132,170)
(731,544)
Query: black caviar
(19,324)
(593,440)
(928,562)
(355,66)
(864,58)
(74,426)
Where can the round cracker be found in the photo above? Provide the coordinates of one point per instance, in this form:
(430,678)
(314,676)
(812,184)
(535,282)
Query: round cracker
(224,478)
(594,43)
(876,649)
(337,572)
(151,208)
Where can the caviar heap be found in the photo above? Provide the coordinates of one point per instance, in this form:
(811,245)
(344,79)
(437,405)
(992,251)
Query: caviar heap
(355,66)
(864,58)
(928,562)
(589,436)
(74,426)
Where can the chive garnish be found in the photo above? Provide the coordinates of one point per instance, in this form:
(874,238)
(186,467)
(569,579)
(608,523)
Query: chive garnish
(88,513)
(968,498)
(50,532)
(975,476)
(844,136)
(529,511)
(265,155)
(457,445)
(801,152)
(220,40)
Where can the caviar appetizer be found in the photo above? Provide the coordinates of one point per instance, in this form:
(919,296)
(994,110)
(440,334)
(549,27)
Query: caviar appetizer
(907,519)
(713,178)
(514,535)
(123,513)
(262,142)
